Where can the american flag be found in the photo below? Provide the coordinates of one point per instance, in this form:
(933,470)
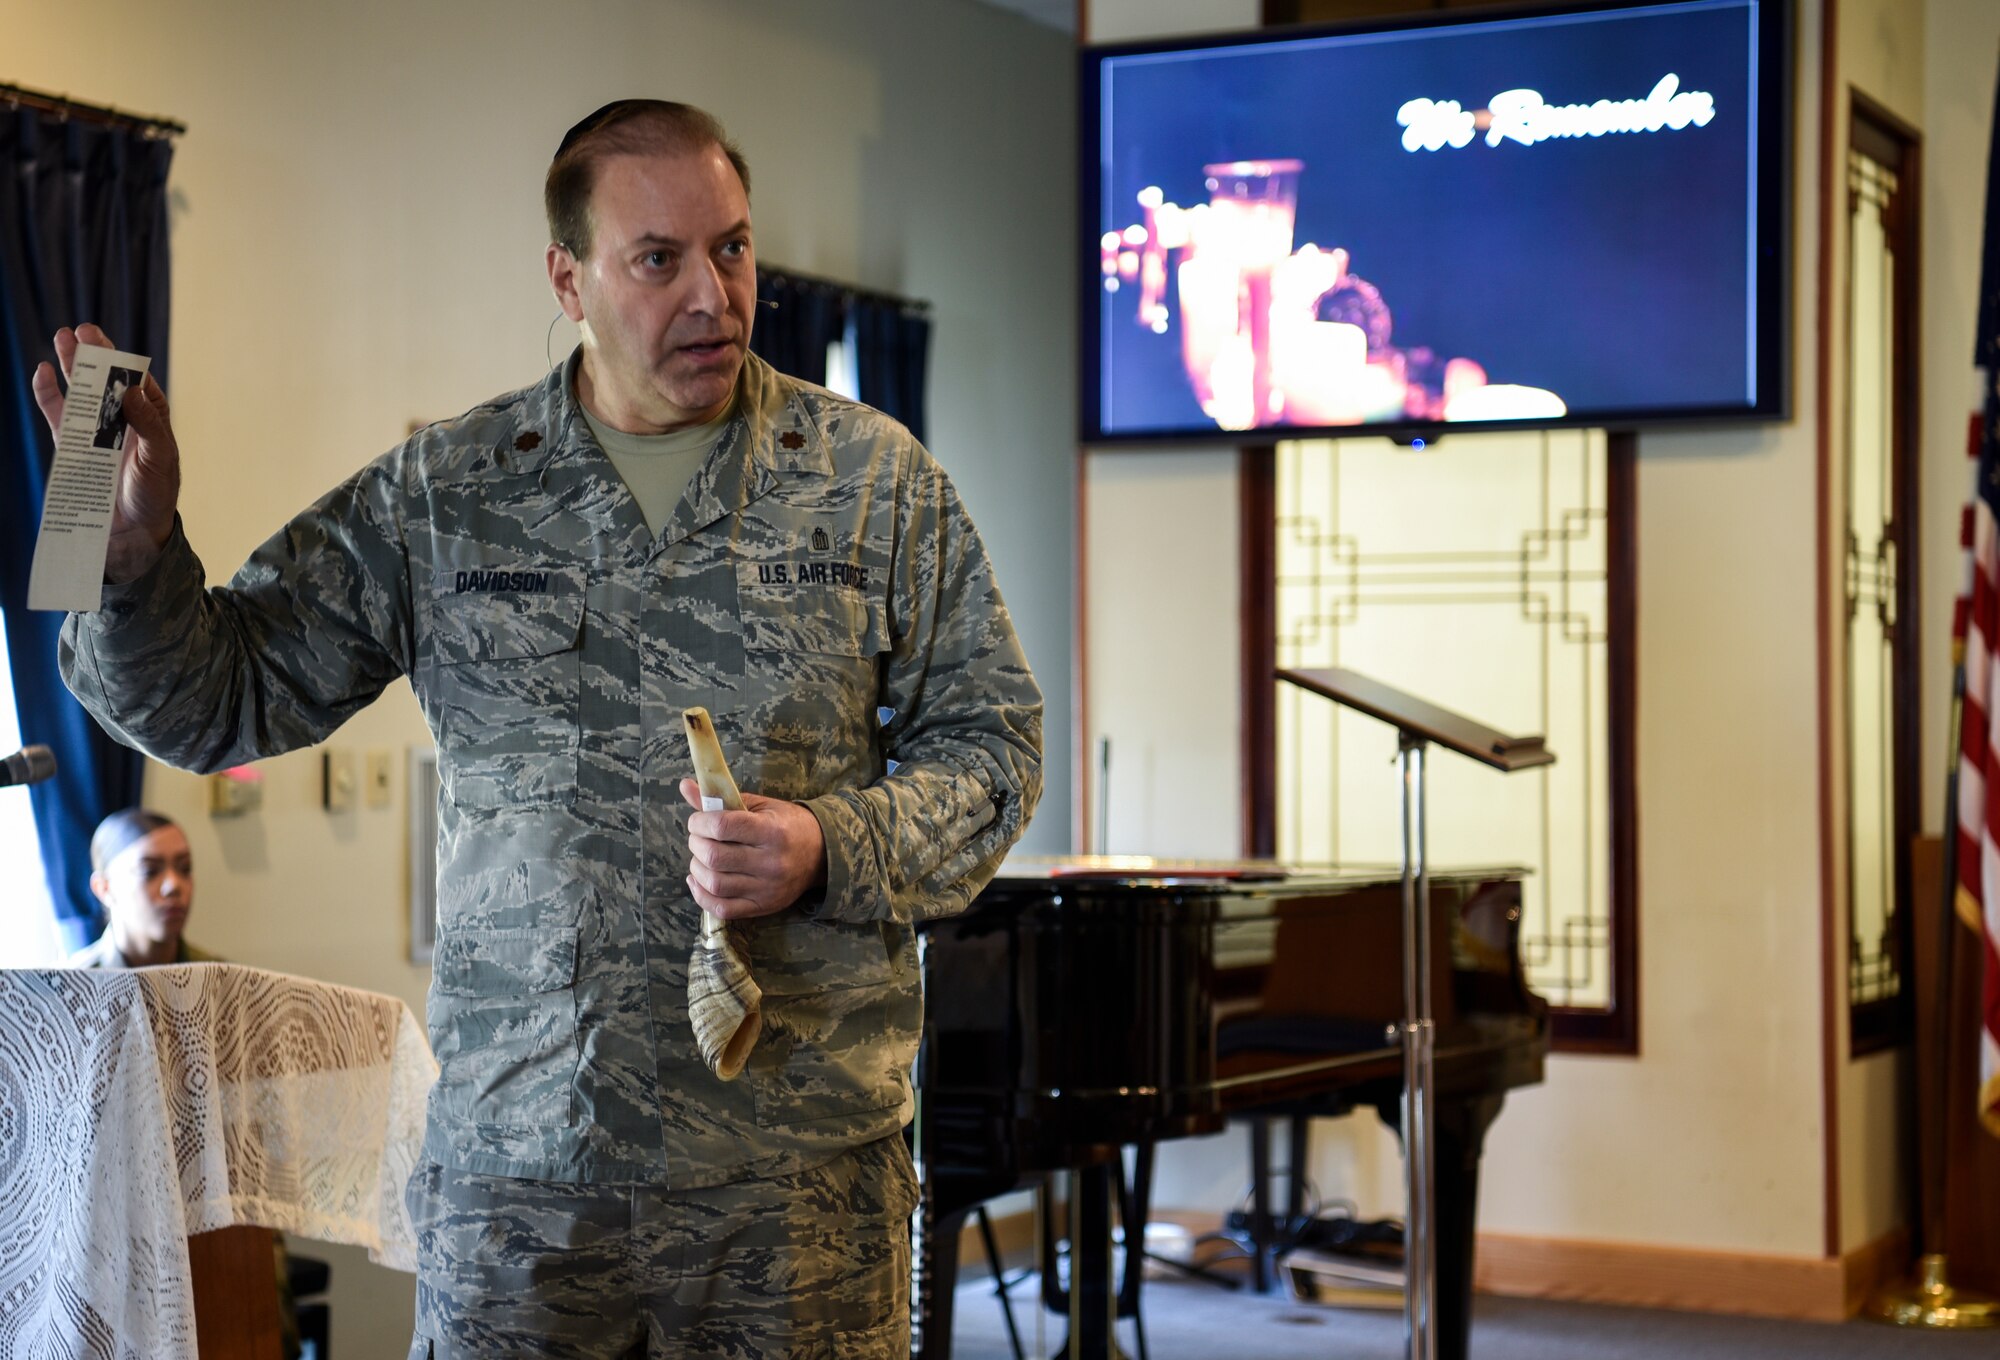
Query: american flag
(1975,629)
(1975,635)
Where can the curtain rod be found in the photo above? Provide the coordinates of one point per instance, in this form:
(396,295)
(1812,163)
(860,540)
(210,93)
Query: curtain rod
(16,97)
(853,290)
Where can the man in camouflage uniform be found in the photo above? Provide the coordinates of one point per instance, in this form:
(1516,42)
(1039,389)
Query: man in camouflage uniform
(594,1191)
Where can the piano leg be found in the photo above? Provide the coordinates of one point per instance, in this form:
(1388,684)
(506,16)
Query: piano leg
(934,1278)
(1135,1204)
(1298,1147)
(1458,1140)
(1263,1235)
(1092,1296)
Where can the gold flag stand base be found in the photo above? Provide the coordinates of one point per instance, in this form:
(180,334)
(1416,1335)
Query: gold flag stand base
(1931,1302)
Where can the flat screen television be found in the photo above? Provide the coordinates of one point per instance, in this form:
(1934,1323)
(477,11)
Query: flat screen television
(1573,216)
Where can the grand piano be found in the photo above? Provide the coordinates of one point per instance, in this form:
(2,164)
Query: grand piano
(1079,1007)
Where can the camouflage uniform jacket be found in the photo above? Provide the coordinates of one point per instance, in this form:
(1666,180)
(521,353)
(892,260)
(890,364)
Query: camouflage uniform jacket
(103,953)
(819,588)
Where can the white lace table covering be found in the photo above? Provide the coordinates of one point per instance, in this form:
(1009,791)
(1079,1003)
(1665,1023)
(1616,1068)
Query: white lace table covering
(139,1107)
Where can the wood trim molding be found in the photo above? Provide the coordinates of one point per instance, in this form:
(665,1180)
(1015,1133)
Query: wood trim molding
(1872,1265)
(1616,1030)
(1257,599)
(1083,790)
(1832,929)
(1013,1233)
(1809,1288)
(1627,1274)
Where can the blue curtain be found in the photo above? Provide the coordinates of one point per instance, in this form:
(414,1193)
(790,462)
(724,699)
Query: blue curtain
(800,319)
(891,339)
(891,352)
(83,237)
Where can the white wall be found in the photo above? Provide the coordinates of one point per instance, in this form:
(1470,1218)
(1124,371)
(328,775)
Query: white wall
(1713,1137)
(1160,543)
(357,245)
(1136,20)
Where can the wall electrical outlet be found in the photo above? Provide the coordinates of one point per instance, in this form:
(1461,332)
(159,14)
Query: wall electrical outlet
(376,785)
(337,781)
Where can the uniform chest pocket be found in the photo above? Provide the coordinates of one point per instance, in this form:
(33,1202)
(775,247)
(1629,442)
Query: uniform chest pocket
(835,617)
(804,717)
(508,686)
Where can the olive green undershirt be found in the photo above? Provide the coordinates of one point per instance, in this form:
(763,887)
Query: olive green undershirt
(657,468)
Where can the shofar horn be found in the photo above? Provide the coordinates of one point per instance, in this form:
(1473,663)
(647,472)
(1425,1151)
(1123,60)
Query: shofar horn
(725,1005)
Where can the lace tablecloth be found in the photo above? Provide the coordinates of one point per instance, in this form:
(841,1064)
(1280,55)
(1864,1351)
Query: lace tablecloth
(139,1107)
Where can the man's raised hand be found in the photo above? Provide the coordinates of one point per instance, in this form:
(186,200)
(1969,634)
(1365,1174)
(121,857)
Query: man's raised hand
(149,478)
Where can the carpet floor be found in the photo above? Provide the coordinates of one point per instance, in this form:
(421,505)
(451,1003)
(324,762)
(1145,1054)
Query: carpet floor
(1189,1320)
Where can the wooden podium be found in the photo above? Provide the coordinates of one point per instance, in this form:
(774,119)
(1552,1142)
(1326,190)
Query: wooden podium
(235,1294)
(1419,723)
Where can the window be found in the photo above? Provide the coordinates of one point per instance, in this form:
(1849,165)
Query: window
(1492,575)
(1877,481)
(28,935)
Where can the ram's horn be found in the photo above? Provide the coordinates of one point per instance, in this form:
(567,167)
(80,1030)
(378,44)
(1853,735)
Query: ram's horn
(725,1005)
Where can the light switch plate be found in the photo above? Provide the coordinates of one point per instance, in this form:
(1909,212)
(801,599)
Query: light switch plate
(337,781)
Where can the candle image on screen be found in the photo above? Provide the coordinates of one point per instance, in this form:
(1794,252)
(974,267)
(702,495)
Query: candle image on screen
(1276,336)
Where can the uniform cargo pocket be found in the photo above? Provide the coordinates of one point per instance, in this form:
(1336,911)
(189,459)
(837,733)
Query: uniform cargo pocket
(508,683)
(841,1016)
(506,1007)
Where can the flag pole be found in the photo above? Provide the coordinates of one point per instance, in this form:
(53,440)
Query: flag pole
(1928,1298)
(1971,813)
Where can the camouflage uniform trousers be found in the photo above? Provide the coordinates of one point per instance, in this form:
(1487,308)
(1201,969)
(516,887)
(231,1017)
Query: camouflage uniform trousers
(811,1266)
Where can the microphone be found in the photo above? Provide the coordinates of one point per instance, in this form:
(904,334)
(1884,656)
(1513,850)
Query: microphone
(29,765)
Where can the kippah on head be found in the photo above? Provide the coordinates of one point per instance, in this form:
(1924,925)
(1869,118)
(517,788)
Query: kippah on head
(622,127)
(604,114)
(118,831)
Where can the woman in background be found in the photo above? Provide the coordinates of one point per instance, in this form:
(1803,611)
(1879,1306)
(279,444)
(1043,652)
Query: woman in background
(143,873)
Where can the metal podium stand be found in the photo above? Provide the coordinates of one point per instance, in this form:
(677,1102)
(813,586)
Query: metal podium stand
(1418,724)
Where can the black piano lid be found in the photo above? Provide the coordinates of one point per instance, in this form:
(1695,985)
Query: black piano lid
(1221,874)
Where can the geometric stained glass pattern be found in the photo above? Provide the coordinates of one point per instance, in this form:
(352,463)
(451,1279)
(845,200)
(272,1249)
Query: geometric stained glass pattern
(1871,591)
(1473,574)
